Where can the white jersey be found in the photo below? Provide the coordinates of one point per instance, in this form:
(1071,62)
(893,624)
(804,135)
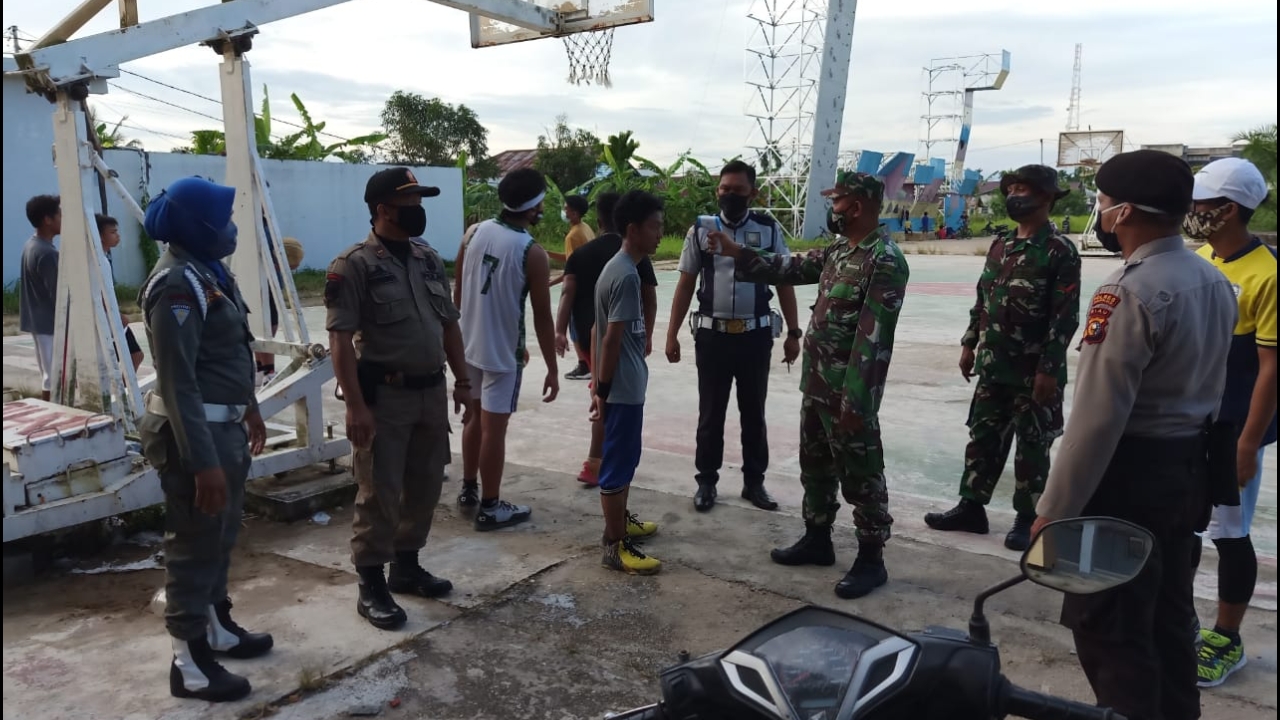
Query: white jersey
(494,288)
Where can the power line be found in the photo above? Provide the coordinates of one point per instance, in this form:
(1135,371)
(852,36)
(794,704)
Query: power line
(219,102)
(166,102)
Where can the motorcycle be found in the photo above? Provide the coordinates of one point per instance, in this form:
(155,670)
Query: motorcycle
(822,664)
(998,231)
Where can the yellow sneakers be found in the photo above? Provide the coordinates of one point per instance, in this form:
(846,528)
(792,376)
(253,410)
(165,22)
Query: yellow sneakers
(626,557)
(638,529)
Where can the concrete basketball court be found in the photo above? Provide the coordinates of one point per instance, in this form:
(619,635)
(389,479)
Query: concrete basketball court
(542,586)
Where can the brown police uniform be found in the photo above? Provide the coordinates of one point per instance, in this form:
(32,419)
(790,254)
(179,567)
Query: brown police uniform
(397,312)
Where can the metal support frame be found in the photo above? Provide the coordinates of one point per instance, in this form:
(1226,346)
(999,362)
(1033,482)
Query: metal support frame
(950,84)
(783,65)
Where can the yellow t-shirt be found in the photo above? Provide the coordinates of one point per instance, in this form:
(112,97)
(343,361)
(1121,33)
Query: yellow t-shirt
(579,235)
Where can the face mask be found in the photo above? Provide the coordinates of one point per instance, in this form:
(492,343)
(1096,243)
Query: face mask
(1020,207)
(734,206)
(412,219)
(1109,238)
(564,216)
(836,223)
(224,244)
(1202,225)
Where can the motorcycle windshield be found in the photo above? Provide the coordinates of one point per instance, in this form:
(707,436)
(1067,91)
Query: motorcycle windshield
(814,666)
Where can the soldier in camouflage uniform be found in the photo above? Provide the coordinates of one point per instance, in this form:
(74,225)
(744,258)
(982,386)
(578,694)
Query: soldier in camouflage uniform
(862,279)
(1027,310)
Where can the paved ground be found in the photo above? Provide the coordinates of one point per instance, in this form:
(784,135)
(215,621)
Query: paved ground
(536,628)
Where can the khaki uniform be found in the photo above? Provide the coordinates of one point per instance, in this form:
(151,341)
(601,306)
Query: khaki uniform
(398,312)
(1152,368)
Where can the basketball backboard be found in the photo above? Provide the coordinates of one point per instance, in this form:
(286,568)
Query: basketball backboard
(1090,149)
(579,16)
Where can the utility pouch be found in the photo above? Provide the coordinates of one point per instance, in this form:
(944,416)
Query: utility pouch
(370,375)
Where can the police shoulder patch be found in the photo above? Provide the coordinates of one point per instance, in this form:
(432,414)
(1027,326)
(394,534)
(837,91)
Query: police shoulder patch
(1095,326)
(332,288)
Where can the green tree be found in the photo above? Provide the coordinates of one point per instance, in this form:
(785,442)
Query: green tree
(1260,149)
(112,137)
(429,131)
(569,157)
(622,147)
(302,145)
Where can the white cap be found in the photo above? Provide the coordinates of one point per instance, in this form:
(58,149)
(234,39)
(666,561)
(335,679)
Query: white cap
(1235,179)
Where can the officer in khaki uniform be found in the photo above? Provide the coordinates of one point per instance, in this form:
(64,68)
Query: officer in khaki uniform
(201,425)
(1139,444)
(392,327)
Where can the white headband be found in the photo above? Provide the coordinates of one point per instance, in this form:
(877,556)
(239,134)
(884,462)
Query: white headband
(527,206)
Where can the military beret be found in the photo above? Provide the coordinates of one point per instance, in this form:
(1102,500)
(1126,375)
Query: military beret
(1151,179)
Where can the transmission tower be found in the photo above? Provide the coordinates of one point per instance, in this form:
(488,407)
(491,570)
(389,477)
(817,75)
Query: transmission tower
(1073,110)
(783,64)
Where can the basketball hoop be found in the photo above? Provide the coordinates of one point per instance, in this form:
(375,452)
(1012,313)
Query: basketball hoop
(589,54)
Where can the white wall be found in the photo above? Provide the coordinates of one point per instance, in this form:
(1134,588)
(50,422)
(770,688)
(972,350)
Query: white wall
(28,163)
(319,203)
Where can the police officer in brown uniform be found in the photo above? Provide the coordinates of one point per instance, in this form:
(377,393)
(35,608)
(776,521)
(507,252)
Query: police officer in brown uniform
(392,327)
(1138,445)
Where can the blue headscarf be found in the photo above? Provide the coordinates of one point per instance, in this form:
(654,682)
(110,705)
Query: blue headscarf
(195,214)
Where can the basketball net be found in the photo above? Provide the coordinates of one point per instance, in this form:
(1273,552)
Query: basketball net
(589,54)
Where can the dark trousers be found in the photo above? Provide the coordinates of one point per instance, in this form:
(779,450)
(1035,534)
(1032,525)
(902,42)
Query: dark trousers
(197,547)
(1134,642)
(724,360)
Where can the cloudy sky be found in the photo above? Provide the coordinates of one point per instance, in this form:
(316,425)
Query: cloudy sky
(1165,71)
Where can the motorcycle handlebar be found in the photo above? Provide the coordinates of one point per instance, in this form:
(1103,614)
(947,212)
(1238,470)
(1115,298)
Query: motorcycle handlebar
(1038,706)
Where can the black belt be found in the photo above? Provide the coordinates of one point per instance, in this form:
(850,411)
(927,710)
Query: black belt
(413,382)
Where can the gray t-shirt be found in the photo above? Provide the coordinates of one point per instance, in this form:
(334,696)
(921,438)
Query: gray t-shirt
(37,299)
(618,301)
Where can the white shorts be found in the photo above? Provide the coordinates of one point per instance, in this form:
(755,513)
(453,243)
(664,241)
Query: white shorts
(1227,523)
(44,359)
(497,392)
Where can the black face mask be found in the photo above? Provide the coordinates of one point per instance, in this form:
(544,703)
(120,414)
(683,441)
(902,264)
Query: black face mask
(836,223)
(734,206)
(1020,207)
(412,219)
(1109,239)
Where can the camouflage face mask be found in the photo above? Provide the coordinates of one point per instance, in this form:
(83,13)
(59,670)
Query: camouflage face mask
(1202,225)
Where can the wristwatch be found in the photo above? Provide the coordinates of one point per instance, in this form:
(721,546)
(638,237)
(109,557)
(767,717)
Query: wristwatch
(795,333)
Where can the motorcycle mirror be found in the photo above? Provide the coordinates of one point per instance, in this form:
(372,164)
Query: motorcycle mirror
(1087,555)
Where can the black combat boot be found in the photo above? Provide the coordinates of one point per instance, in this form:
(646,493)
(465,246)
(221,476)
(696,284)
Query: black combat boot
(813,549)
(376,604)
(195,674)
(968,516)
(408,577)
(1019,537)
(226,637)
(867,574)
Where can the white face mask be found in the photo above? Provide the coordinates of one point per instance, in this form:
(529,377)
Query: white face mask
(564,216)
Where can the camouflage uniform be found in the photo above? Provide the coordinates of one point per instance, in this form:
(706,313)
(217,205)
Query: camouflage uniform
(846,358)
(1026,312)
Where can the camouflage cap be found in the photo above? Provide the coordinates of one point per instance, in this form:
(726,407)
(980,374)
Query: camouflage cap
(849,182)
(1040,177)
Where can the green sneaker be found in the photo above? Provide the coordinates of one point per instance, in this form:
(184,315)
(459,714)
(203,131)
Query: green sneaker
(1220,656)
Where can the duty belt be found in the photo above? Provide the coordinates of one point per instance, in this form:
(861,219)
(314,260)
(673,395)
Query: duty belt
(212,412)
(732,327)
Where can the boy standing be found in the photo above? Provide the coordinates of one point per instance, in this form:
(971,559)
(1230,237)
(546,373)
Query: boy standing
(109,233)
(38,298)
(622,378)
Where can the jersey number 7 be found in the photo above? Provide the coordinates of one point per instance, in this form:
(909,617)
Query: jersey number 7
(491,265)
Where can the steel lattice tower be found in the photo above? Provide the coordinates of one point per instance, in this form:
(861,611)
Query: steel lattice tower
(783,69)
(1073,110)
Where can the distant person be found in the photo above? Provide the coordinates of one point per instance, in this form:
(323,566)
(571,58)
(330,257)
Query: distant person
(265,361)
(621,338)
(1066,225)
(577,307)
(109,234)
(502,266)
(38,283)
(1226,195)
(580,233)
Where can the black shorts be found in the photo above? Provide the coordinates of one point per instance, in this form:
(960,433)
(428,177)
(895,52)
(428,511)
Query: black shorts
(131,341)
